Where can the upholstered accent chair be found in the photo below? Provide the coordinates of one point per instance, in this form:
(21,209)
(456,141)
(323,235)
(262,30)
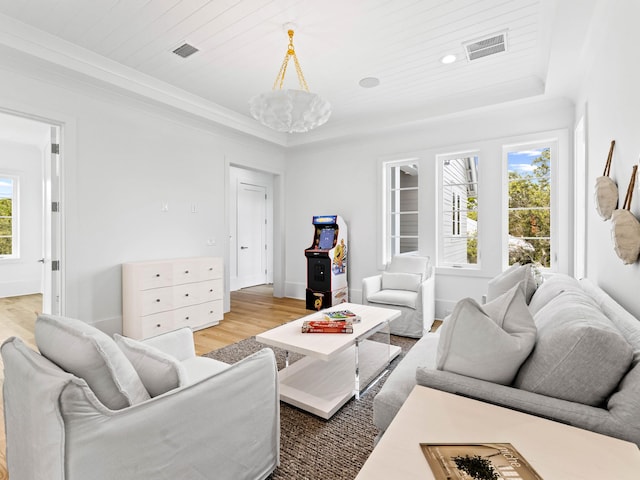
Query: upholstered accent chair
(91,407)
(407,284)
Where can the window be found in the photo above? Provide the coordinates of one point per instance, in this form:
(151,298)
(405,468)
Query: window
(8,216)
(459,210)
(529,207)
(401,208)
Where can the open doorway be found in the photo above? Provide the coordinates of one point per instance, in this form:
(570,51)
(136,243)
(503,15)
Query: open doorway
(251,228)
(30,232)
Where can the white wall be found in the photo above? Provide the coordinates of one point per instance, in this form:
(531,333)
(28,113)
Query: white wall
(23,276)
(344,179)
(122,159)
(611,99)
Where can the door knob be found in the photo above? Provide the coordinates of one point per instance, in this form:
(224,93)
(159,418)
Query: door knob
(41,260)
(243,248)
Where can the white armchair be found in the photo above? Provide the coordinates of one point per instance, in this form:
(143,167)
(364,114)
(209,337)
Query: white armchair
(221,422)
(408,285)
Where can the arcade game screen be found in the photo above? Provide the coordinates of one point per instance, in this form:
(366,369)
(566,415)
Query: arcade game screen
(326,238)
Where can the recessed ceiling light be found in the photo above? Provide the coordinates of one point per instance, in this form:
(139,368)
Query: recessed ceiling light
(448,59)
(369,82)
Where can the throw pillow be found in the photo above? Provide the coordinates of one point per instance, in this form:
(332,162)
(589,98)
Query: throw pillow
(554,285)
(579,355)
(92,355)
(512,276)
(401,281)
(158,371)
(488,342)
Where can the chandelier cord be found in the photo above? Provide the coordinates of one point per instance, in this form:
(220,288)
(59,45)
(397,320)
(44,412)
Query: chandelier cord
(279,82)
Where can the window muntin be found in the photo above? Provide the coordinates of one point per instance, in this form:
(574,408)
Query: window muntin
(459,210)
(529,204)
(8,216)
(401,209)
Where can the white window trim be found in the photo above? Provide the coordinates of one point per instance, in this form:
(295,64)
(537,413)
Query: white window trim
(440,158)
(385,206)
(557,141)
(15,216)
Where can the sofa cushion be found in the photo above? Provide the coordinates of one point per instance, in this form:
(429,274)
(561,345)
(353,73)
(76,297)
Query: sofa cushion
(92,355)
(579,355)
(403,298)
(158,371)
(488,342)
(511,277)
(401,281)
(553,286)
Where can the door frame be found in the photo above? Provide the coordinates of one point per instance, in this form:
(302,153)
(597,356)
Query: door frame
(276,265)
(53,239)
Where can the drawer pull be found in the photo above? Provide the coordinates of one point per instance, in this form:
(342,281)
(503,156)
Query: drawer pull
(157,300)
(211,290)
(211,269)
(157,275)
(210,312)
(158,325)
(186,318)
(186,272)
(186,294)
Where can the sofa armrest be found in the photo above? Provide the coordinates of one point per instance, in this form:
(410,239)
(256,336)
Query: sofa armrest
(370,285)
(587,417)
(177,343)
(227,425)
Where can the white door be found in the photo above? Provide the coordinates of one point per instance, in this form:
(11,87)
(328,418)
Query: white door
(51,301)
(252,234)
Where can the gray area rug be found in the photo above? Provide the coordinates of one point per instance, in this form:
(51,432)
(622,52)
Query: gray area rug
(312,448)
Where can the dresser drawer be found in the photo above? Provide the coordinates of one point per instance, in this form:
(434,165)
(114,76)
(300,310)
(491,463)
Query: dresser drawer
(203,315)
(156,324)
(212,312)
(156,300)
(187,316)
(211,268)
(154,275)
(187,294)
(188,270)
(210,290)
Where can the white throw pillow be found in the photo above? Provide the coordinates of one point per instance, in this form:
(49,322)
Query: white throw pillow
(92,355)
(488,342)
(158,371)
(401,281)
(511,277)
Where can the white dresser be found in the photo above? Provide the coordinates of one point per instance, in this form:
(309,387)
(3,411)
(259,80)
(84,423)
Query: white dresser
(164,295)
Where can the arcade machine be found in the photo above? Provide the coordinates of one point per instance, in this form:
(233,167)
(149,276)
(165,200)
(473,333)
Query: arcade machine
(327,263)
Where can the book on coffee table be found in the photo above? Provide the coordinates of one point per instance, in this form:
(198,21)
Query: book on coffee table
(478,461)
(326,326)
(341,316)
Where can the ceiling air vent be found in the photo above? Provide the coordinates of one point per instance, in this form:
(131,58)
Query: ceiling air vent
(185,50)
(486,46)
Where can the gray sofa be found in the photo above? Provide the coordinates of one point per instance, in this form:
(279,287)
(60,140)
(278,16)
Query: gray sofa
(573,375)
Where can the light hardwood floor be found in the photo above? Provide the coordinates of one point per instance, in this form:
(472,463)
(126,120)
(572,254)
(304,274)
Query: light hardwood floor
(253,310)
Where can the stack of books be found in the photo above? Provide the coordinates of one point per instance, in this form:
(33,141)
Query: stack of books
(332,322)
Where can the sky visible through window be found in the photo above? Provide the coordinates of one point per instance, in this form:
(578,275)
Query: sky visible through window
(6,188)
(522,162)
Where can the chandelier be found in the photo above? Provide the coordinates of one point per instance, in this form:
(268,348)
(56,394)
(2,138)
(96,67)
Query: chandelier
(290,110)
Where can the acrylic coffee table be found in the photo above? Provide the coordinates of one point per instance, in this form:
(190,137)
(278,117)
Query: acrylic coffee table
(556,451)
(335,366)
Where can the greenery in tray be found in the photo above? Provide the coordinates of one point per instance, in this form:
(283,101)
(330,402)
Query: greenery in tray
(477,467)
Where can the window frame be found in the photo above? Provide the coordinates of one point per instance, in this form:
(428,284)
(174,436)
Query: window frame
(558,212)
(387,191)
(15,217)
(440,160)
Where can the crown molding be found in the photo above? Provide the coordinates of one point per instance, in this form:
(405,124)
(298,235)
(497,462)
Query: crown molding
(34,42)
